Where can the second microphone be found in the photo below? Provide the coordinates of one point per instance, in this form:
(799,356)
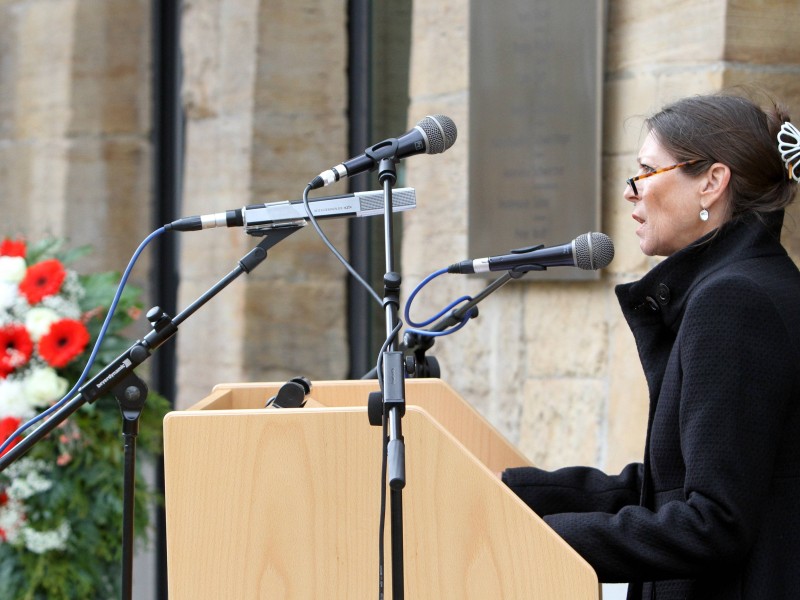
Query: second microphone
(590,251)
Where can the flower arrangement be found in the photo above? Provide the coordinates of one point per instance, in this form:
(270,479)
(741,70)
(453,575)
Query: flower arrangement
(61,504)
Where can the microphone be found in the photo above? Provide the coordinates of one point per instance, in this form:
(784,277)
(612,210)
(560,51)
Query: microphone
(432,135)
(589,251)
(260,218)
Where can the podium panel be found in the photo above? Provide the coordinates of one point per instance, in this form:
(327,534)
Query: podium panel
(285,503)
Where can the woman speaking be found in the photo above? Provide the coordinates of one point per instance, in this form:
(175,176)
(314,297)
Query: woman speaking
(713,511)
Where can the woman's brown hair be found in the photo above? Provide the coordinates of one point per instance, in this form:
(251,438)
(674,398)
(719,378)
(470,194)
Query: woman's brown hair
(737,132)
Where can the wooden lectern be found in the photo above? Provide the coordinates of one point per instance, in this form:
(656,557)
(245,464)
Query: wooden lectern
(285,503)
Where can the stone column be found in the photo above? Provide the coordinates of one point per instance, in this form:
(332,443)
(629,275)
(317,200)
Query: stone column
(74,125)
(265,96)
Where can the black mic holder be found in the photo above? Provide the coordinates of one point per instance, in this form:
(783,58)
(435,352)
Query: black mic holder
(291,394)
(131,393)
(387,149)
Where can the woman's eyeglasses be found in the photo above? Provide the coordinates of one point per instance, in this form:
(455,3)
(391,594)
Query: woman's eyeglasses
(632,181)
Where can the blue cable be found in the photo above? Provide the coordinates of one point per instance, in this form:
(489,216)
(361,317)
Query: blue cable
(112,309)
(438,315)
(453,329)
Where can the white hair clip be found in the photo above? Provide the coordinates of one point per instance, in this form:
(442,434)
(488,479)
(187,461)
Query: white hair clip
(789,147)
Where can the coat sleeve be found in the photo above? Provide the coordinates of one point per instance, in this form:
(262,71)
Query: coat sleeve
(575,489)
(737,378)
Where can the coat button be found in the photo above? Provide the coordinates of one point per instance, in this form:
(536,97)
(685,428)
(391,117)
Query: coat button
(663,294)
(652,304)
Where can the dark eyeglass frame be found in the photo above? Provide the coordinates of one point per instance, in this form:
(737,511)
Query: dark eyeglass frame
(631,181)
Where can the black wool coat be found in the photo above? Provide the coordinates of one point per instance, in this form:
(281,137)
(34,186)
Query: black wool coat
(713,512)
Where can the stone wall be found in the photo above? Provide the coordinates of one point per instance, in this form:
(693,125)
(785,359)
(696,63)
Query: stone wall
(553,365)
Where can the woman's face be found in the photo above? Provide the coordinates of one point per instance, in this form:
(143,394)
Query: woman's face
(667,206)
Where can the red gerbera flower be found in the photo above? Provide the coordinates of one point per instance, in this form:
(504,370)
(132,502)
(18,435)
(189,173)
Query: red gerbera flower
(42,279)
(16,348)
(13,248)
(65,340)
(8,426)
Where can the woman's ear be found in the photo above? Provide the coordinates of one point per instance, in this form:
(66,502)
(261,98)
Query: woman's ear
(715,184)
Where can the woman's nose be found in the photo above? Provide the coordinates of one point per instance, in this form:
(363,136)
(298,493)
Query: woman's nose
(628,193)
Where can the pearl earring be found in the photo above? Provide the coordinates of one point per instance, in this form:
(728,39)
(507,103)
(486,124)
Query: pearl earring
(704,215)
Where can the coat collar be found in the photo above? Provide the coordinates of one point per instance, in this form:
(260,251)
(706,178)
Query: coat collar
(661,294)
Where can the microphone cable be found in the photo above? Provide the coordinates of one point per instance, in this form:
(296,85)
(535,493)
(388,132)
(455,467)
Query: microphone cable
(447,309)
(384,462)
(333,249)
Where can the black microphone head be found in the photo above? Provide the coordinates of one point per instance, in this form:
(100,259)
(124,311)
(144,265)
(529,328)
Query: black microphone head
(440,132)
(593,251)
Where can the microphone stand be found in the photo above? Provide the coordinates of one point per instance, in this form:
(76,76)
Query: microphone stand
(131,392)
(393,387)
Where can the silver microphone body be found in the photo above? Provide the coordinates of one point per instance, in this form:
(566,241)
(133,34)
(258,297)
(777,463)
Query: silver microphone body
(260,218)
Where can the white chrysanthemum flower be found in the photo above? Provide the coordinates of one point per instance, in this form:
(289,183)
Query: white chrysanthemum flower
(12,269)
(38,321)
(44,541)
(8,295)
(13,402)
(43,386)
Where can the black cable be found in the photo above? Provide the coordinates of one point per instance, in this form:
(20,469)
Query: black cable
(384,456)
(336,253)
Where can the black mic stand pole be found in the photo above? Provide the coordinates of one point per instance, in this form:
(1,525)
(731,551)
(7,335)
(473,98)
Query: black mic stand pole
(131,393)
(393,383)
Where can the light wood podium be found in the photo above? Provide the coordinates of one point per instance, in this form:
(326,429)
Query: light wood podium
(285,503)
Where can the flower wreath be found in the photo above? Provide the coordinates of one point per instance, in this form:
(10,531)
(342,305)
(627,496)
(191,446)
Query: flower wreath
(61,503)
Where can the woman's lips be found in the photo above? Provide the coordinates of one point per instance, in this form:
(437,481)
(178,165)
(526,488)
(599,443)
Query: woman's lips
(639,220)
